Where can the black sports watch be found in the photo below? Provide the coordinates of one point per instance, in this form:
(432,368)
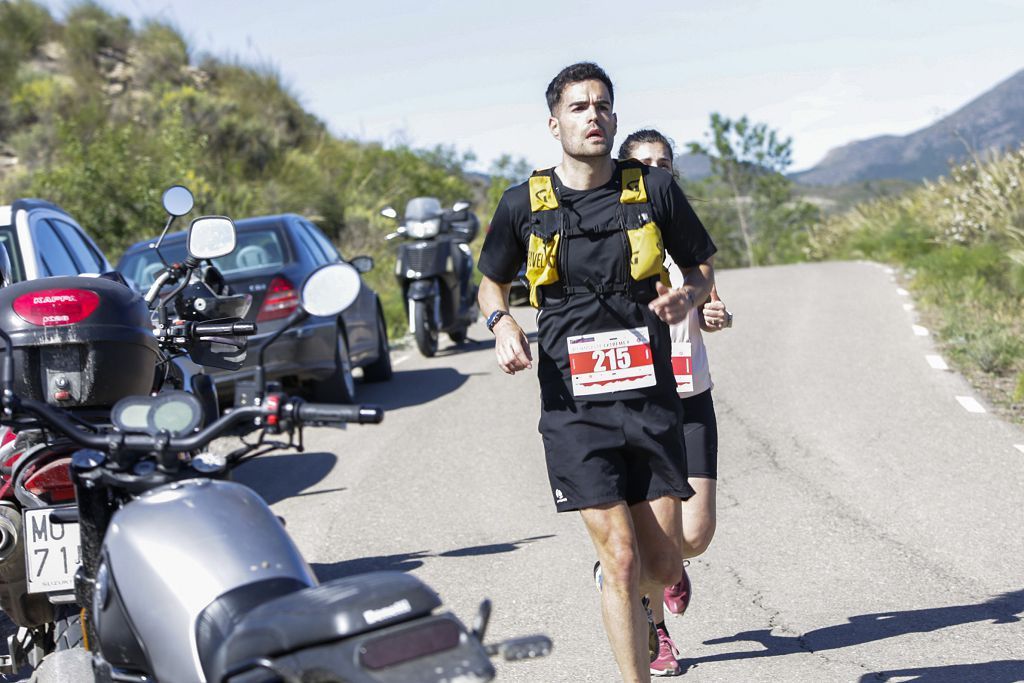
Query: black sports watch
(493,319)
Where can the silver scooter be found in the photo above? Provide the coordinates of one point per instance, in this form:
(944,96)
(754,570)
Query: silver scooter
(189,577)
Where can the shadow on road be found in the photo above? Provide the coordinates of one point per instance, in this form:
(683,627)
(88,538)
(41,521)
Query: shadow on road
(867,628)
(493,548)
(412,387)
(1003,671)
(405,562)
(286,476)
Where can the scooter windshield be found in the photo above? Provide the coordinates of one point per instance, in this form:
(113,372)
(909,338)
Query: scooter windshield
(423,209)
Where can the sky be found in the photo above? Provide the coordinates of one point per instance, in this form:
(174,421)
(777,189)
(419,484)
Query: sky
(472,73)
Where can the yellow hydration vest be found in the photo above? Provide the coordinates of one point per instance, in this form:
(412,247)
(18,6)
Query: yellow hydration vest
(647,257)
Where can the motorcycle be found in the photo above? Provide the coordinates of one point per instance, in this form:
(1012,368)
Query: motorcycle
(187,576)
(83,344)
(434,268)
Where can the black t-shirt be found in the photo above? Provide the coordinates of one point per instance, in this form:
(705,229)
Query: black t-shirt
(684,236)
(595,255)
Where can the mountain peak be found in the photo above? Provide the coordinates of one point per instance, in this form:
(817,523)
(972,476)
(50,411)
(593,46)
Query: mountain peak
(992,121)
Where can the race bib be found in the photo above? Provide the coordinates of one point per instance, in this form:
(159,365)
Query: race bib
(682,366)
(611,361)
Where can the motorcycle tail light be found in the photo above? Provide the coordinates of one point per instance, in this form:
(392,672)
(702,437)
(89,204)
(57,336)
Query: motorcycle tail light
(410,643)
(49,307)
(52,482)
(281,299)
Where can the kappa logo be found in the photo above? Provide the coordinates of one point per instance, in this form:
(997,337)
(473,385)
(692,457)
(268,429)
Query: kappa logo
(560,497)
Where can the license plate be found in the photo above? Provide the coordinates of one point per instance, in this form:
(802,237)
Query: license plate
(52,552)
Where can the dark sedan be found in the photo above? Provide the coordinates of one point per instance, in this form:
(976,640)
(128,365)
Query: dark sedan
(272,259)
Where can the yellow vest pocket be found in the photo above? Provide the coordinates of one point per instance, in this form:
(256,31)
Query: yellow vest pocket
(648,253)
(541,265)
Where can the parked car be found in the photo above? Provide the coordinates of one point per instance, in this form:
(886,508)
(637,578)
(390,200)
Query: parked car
(273,257)
(43,240)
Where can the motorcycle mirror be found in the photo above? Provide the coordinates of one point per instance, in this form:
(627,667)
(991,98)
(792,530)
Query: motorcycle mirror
(389,212)
(331,289)
(364,264)
(178,200)
(459,206)
(211,237)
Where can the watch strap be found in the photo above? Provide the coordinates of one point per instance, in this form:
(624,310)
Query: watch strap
(494,317)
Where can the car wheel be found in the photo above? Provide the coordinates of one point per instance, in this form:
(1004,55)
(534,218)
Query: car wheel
(340,387)
(426,329)
(380,369)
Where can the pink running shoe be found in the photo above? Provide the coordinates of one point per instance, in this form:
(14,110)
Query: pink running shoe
(667,662)
(677,596)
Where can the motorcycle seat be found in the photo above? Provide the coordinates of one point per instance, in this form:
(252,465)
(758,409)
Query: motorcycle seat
(320,614)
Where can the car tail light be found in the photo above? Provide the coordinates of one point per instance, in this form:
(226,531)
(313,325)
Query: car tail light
(56,306)
(52,482)
(280,300)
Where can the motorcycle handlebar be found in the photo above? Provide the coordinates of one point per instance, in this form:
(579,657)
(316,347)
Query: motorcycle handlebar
(326,413)
(55,418)
(223,329)
(301,412)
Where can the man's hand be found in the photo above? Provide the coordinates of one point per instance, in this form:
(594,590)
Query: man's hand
(672,305)
(511,346)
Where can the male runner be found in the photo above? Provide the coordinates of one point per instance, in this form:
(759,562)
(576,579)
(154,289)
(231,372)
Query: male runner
(593,232)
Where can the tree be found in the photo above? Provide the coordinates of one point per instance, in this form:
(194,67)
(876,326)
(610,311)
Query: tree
(749,159)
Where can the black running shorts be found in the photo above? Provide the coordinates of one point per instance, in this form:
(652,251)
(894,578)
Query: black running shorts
(604,452)
(700,432)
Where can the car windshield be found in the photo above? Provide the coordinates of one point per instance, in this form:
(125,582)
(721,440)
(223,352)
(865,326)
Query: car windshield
(9,240)
(255,249)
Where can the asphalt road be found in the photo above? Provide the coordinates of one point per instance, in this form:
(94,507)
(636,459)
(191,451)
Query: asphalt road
(869,525)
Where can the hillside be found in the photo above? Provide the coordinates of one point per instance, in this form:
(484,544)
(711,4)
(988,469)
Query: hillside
(992,121)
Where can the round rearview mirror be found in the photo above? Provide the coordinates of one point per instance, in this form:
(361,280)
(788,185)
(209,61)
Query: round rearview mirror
(459,206)
(330,290)
(211,237)
(178,200)
(388,212)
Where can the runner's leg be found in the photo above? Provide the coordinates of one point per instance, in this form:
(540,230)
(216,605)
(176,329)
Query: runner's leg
(699,517)
(611,530)
(658,525)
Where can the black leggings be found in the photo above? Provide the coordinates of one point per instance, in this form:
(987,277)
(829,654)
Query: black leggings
(700,433)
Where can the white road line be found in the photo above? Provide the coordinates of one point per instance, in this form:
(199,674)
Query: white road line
(889,270)
(920,331)
(937,362)
(908,307)
(970,404)
(1019,447)
(902,292)
(399,360)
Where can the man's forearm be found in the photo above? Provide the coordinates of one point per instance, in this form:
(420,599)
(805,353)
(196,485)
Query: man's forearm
(492,296)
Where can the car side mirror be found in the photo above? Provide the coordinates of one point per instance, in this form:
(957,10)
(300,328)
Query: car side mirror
(363,264)
(460,206)
(389,212)
(211,237)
